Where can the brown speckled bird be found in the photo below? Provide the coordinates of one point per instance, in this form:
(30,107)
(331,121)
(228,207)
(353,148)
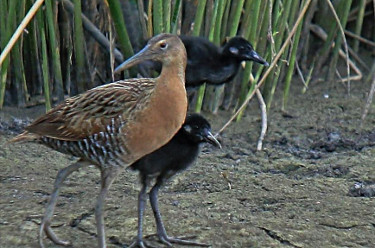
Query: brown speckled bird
(113,125)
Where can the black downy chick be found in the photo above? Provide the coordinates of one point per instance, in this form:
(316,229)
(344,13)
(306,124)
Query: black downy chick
(177,155)
(210,64)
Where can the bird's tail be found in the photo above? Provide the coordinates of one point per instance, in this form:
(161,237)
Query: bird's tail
(24,137)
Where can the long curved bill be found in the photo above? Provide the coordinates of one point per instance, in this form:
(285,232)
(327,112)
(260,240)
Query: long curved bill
(144,54)
(212,140)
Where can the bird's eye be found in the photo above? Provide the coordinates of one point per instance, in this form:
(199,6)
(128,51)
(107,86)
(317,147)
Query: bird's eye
(163,45)
(233,50)
(187,128)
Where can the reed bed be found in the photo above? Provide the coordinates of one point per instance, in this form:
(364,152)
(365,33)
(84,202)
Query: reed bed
(73,45)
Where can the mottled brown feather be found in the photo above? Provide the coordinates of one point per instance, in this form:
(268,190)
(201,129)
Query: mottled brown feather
(88,113)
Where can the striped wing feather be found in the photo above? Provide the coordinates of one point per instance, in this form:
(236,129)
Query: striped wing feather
(92,111)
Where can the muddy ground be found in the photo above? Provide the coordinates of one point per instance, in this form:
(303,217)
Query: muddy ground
(294,193)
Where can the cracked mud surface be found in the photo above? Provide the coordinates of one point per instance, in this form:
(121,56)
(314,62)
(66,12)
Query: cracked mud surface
(298,192)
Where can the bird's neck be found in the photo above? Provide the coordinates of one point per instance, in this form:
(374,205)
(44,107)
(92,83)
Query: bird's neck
(171,83)
(173,69)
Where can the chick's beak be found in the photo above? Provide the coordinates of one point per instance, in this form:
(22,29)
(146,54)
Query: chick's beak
(254,56)
(144,54)
(212,140)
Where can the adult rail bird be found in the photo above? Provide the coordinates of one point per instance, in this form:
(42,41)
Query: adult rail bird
(113,125)
(177,155)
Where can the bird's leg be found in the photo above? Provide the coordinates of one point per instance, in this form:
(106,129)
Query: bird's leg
(141,207)
(45,226)
(107,177)
(161,233)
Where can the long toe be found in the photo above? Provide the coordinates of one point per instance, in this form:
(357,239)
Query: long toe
(51,235)
(141,244)
(169,240)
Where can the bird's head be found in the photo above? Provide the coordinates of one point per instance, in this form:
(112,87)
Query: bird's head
(239,48)
(162,48)
(198,130)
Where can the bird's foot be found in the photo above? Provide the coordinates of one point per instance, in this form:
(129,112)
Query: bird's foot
(46,228)
(168,241)
(141,244)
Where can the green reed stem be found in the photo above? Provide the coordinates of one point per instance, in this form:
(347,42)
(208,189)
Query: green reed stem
(218,21)
(54,50)
(202,89)
(199,17)
(207,91)
(8,15)
(359,22)
(149,19)
(236,18)
(176,14)
(344,9)
(118,19)
(17,60)
(196,31)
(322,55)
(4,37)
(225,21)
(281,23)
(79,47)
(250,33)
(167,15)
(158,16)
(292,61)
(217,91)
(45,69)
(141,17)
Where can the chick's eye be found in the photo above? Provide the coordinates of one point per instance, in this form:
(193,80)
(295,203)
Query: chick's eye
(163,45)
